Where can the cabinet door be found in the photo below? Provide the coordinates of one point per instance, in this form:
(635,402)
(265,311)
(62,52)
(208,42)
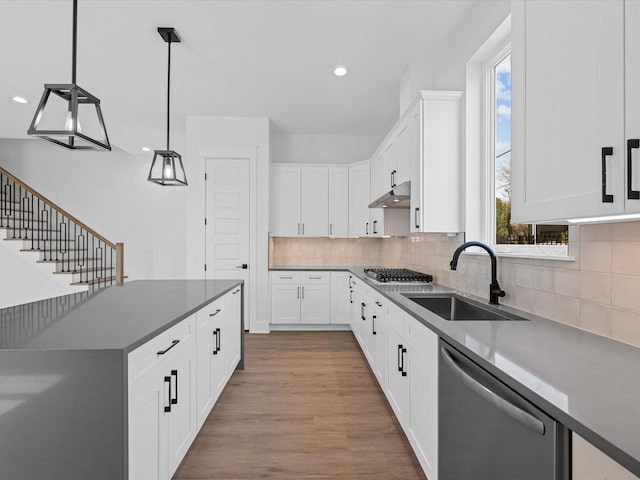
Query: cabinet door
(632,99)
(415,119)
(403,173)
(568,74)
(422,371)
(380,178)
(340,298)
(391,164)
(338,201)
(398,384)
(218,353)
(359,200)
(181,421)
(285,303)
(315,202)
(231,338)
(286,201)
(147,399)
(378,345)
(589,463)
(204,350)
(315,304)
(376,222)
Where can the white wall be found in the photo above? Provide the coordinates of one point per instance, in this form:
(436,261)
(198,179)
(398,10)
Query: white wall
(480,22)
(340,149)
(109,192)
(206,133)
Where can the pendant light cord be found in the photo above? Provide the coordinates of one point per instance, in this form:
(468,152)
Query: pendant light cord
(168,90)
(75,41)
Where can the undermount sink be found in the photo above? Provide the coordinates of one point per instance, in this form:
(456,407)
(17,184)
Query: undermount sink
(456,308)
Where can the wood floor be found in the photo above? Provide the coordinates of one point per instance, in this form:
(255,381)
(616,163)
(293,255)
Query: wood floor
(306,407)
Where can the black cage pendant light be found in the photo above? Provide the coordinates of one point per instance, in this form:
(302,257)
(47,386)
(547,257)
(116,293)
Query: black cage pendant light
(58,116)
(166,168)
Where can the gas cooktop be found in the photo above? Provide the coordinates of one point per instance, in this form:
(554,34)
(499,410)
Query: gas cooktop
(397,275)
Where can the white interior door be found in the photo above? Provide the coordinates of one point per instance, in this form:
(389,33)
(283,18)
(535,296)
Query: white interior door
(227,230)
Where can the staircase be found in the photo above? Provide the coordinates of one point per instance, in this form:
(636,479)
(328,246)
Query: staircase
(74,249)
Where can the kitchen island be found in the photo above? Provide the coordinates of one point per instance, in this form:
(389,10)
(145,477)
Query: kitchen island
(64,387)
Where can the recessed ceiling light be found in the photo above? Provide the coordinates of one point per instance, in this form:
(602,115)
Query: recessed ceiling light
(340,71)
(19,100)
(145,149)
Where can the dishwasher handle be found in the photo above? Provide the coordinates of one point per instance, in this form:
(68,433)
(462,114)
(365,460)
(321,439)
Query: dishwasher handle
(525,418)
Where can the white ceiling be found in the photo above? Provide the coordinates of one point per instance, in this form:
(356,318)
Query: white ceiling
(237,58)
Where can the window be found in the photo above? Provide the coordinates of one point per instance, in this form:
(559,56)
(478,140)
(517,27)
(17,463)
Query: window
(488,158)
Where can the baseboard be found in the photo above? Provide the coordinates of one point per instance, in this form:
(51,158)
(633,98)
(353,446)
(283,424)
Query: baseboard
(309,328)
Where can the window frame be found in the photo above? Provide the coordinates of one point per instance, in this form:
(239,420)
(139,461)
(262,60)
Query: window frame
(480,151)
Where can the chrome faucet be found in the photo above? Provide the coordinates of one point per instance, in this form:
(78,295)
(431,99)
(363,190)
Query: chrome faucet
(494,289)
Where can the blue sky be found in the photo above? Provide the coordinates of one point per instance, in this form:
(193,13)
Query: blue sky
(503,118)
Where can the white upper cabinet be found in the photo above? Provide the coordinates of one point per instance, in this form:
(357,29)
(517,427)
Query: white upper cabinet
(390,154)
(300,201)
(359,199)
(435,149)
(569,150)
(632,104)
(286,201)
(338,201)
(315,202)
(403,164)
(380,181)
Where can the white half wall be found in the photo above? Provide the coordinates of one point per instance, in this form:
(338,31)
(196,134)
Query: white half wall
(339,149)
(205,134)
(109,192)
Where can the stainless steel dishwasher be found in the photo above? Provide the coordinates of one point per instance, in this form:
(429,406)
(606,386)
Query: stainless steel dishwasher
(489,432)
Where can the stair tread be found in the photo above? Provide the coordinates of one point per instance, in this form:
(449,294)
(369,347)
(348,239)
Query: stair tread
(31,229)
(52,249)
(83,270)
(95,281)
(38,240)
(67,260)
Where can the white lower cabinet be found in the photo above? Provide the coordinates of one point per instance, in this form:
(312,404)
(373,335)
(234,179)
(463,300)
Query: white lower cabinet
(403,354)
(174,380)
(300,298)
(340,298)
(589,463)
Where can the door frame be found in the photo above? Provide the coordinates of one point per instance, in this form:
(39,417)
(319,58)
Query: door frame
(238,153)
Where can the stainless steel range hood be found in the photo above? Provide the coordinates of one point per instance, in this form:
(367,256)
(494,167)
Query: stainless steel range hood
(399,197)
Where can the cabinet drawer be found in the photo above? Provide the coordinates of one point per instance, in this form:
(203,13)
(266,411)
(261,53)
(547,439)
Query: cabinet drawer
(422,336)
(146,356)
(212,310)
(397,319)
(315,277)
(285,277)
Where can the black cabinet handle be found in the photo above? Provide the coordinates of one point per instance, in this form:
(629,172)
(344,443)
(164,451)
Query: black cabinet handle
(350,296)
(173,344)
(215,313)
(402,352)
(174,401)
(167,409)
(631,193)
(393,179)
(606,152)
(373,325)
(367,228)
(375,230)
(416,217)
(399,355)
(237,291)
(362,305)
(216,333)
(219,339)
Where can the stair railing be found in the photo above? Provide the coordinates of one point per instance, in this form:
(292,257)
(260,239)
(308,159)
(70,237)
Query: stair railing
(65,240)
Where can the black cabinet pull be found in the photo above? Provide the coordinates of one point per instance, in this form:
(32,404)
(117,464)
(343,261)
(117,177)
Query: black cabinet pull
(218,340)
(606,152)
(215,313)
(362,305)
(173,344)
(393,179)
(350,296)
(237,291)
(399,355)
(167,409)
(174,401)
(416,217)
(373,325)
(402,352)
(375,229)
(367,228)
(216,334)
(631,193)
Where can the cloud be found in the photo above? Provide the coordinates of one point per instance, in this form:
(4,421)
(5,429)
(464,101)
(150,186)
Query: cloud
(504,66)
(502,92)
(503,111)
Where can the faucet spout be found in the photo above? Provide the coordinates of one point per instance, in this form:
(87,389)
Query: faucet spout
(494,288)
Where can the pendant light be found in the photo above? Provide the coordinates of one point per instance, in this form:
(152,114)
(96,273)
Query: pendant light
(57,118)
(166,168)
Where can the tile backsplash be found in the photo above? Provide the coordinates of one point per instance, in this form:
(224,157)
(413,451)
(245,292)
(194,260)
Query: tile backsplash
(599,291)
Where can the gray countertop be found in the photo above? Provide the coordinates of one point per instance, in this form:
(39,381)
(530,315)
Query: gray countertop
(310,268)
(119,317)
(589,383)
